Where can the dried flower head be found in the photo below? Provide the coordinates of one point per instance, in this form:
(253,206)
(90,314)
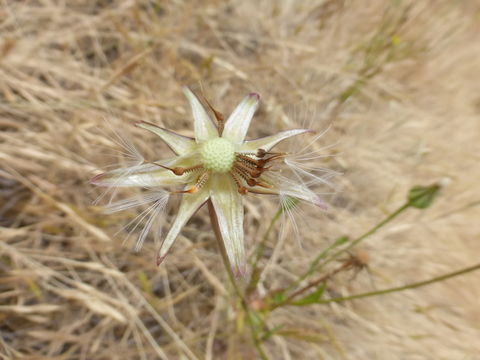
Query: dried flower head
(218,165)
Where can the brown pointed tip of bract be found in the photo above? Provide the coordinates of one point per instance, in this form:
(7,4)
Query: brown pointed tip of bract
(239,271)
(95,179)
(320,203)
(252,94)
(160,259)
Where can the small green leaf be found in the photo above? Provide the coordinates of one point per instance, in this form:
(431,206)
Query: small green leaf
(396,39)
(144,282)
(256,320)
(312,298)
(422,197)
(341,240)
(34,288)
(278,297)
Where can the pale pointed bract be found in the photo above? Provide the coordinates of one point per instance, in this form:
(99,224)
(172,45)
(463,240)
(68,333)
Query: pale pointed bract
(190,203)
(228,205)
(204,127)
(239,121)
(268,142)
(180,145)
(217,166)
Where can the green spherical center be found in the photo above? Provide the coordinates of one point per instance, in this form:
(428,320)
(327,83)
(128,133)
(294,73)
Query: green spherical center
(218,155)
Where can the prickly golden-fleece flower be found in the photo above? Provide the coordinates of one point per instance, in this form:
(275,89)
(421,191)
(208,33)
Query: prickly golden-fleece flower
(217,165)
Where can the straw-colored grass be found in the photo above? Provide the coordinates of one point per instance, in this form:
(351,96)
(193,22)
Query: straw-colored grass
(396,80)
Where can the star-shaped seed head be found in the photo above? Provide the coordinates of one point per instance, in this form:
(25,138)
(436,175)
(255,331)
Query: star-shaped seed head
(218,165)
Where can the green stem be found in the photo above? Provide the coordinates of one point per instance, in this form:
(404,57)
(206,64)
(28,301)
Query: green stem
(312,268)
(364,236)
(261,246)
(405,287)
(259,251)
(313,284)
(231,276)
(314,265)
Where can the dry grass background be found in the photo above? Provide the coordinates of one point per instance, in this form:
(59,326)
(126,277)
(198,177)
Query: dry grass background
(70,290)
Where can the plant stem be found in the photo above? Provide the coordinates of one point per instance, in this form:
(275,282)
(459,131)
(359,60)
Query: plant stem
(312,268)
(315,267)
(346,265)
(364,236)
(260,249)
(231,276)
(261,246)
(405,287)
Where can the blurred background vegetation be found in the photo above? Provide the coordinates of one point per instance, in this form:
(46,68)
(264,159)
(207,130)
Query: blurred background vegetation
(394,82)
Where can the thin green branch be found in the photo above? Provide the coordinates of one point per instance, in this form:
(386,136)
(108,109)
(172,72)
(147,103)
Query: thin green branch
(405,287)
(257,255)
(313,266)
(365,235)
(322,279)
(261,246)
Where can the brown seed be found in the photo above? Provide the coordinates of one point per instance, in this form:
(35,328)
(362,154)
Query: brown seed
(242,190)
(261,153)
(178,171)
